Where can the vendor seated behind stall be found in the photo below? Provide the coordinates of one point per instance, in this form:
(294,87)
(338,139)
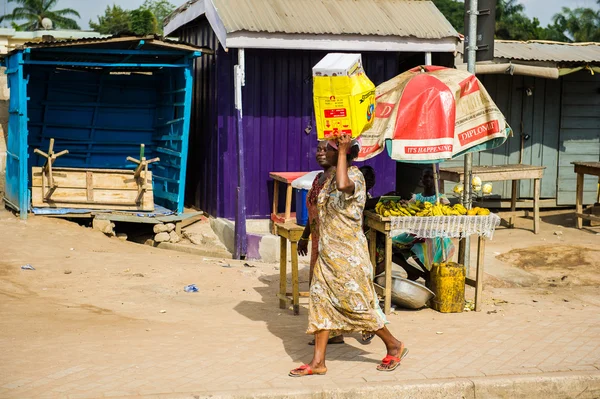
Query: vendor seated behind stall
(423,251)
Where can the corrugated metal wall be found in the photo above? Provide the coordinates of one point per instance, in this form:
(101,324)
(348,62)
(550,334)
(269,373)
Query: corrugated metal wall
(204,154)
(579,134)
(278,112)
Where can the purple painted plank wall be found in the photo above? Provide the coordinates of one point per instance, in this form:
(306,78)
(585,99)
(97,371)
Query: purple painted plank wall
(277,110)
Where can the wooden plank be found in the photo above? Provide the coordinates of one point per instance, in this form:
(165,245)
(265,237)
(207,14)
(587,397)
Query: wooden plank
(569,122)
(577,99)
(591,168)
(551,137)
(590,183)
(479,273)
(102,179)
(586,216)
(89,180)
(513,201)
(568,198)
(580,135)
(295,290)
(282,271)
(536,206)
(578,111)
(579,200)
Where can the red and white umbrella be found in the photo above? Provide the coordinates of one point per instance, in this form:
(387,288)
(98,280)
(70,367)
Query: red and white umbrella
(431,113)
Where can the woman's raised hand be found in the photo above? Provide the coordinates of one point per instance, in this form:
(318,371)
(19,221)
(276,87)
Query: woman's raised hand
(344,143)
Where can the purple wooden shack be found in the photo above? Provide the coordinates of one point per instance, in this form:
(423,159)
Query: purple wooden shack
(265,51)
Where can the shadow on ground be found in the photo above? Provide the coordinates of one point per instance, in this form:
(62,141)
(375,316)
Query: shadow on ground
(291,329)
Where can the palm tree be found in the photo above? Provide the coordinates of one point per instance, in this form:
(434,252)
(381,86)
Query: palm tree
(34,11)
(581,24)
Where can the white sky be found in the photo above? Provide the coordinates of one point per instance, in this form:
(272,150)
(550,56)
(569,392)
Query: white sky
(89,9)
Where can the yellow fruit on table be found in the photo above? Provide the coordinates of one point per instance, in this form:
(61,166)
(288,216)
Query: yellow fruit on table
(460,209)
(483,212)
(472,212)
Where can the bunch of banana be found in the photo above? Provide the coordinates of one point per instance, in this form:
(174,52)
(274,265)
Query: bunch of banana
(405,208)
(460,209)
(396,208)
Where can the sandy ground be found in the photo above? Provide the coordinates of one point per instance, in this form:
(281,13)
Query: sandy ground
(93,297)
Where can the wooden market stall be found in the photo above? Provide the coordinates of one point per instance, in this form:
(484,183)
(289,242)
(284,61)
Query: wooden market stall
(430,227)
(97,100)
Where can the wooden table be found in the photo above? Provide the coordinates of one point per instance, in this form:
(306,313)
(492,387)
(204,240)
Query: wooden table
(584,168)
(293,233)
(503,173)
(287,178)
(378,223)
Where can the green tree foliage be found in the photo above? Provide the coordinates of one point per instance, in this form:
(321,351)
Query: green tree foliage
(146,20)
(454,11)
(34,11)
(161,10)
(143,22)
(114,21)
(579,24)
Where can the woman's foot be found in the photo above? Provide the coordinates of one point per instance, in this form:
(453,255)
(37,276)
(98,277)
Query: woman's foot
(393,358)
(338,339)
(307,369)
(367,337)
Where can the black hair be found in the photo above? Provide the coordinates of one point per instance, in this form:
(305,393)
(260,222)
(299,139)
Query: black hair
(367,171)
(369,175)
(353,154)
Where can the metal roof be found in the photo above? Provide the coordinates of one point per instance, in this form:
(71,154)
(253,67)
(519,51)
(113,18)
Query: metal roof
(400,18)
(544,51)
(117,42)
(126,53)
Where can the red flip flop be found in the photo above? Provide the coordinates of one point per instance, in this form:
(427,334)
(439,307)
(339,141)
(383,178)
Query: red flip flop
(305,370)
(388,359)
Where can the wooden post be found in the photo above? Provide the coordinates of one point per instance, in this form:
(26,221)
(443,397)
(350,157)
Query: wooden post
(47,168)
(282,272)
(479,276)
(579,200)
(142,166)
(275,204)
(295,289)
(288,202)
(513,203)
(388,274)
(536,205)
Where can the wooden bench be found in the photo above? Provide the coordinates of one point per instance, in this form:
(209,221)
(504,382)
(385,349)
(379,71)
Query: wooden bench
(585,168)
(504,173)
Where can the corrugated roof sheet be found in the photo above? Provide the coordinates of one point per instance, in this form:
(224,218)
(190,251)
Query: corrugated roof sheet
(118,41)
(401,18)
(547,51)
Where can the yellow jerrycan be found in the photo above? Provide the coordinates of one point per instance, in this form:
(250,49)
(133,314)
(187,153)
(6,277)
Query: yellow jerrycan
(447,281)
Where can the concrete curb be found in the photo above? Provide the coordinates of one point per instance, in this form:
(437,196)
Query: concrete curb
(581,385)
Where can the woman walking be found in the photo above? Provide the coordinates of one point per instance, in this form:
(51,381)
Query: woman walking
(342,296)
